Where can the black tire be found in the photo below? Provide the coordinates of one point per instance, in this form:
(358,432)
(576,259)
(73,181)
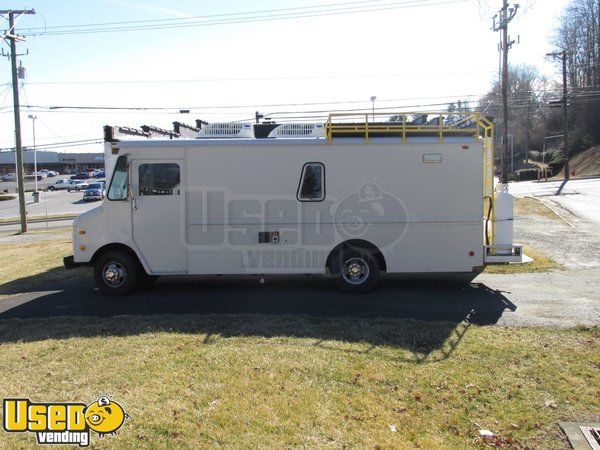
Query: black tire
(50,188)
(355,270)
(116,273)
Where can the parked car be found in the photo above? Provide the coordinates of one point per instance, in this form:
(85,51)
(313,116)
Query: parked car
(76,185)
(94,191)
(100,174)
(59,184)
(39,174)
(49,173)
(9,177)
(81,176)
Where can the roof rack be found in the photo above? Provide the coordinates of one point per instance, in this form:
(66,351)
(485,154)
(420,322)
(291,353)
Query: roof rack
(405,124)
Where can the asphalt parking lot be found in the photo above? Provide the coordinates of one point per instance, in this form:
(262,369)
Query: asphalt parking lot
(51,203)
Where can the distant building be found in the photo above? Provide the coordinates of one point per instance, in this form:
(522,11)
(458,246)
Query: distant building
(60,162)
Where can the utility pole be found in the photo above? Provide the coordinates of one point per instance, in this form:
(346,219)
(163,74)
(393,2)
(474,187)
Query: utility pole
(563,55)
(506,15)
(565,114)
(11,35)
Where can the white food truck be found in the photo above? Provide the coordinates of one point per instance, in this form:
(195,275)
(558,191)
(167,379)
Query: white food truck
(350,199)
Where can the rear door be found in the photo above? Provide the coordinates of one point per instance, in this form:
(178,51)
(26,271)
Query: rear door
(158,214)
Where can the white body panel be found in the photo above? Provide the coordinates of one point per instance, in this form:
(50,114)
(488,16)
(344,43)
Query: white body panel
(419,203)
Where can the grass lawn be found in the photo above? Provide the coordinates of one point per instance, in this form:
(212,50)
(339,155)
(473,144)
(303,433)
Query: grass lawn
(39,218)
(528,206)
(35,259)
(247,381)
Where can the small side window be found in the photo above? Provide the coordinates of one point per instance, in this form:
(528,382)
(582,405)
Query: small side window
(159,179)
(118,182)
(312,183)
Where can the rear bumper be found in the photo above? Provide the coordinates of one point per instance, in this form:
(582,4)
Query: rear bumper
(502,254)
(69,262)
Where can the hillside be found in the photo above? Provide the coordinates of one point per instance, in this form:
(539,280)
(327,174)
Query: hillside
(584,164)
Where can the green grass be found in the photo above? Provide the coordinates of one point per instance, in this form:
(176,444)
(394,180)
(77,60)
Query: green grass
(248,381)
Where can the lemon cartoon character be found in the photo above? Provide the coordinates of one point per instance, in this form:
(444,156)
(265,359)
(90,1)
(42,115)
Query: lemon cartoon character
(105,416)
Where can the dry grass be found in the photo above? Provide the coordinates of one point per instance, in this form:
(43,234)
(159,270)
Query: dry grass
(34,258)
(39,218)
(251,381)
(527,206)
(540,263)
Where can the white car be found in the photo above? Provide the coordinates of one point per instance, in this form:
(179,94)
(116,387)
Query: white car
(76,185)
(59,184)
(49,173)
(9,177)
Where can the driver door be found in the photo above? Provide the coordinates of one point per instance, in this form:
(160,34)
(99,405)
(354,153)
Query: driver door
(158,214)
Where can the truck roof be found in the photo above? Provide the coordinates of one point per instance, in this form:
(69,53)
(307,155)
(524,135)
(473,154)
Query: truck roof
(248,142)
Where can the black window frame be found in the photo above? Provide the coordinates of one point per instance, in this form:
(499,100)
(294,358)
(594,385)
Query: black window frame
(323,179)
(112,178)
(173,193)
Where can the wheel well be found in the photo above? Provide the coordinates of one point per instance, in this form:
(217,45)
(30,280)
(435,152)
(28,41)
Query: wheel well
(115,246)
(361,244)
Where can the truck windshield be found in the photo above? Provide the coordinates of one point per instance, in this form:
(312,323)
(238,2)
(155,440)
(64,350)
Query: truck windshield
(118,183)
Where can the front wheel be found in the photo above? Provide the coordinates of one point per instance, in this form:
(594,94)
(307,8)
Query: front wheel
(116,273)
(50,188)
(355,271)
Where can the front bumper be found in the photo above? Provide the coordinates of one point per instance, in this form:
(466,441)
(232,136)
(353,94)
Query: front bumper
(92,196)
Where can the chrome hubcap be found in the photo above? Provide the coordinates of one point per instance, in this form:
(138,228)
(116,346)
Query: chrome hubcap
(356,271)
(114,274)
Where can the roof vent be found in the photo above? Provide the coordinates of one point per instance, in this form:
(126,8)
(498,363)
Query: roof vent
(226,130)
(296,130)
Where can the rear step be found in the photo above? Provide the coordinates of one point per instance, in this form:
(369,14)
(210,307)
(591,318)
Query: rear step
(499,254)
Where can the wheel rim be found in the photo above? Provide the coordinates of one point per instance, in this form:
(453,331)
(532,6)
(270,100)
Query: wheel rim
(114,274)
(356,271)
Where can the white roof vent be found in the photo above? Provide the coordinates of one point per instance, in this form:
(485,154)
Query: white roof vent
(296,130)
(226,130)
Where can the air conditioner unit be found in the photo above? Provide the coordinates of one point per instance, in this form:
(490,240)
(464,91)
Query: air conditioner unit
(298,130)
(226,130)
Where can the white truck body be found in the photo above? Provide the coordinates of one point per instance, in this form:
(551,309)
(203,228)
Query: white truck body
(235,206)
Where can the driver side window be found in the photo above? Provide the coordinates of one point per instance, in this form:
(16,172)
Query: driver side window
(119,181)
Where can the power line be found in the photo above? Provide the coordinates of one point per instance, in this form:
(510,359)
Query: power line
(252,19)
(273,78)
(207,16)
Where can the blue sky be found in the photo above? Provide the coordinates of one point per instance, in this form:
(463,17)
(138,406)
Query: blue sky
(405,56)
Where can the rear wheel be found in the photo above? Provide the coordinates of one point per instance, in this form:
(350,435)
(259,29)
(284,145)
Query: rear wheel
(116,273)
(355,270)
